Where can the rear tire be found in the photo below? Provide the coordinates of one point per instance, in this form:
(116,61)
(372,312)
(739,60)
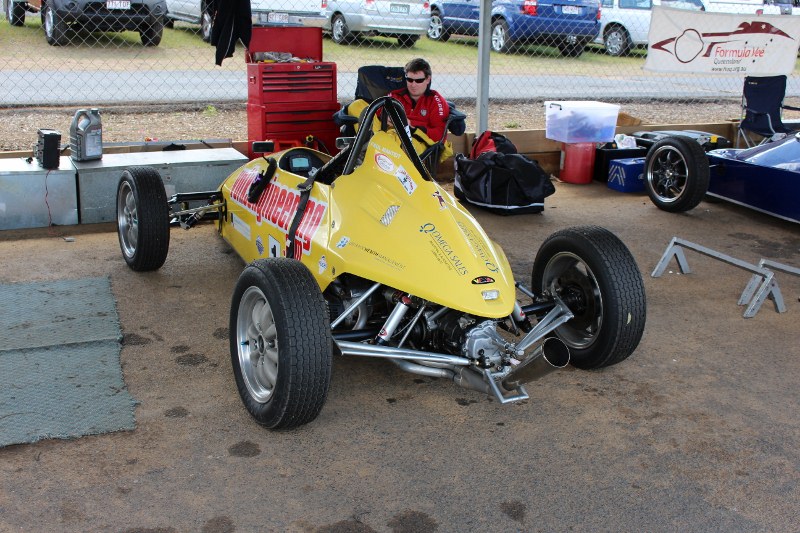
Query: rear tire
(407,41)
(152,33)
(280,342)
(676,174)
(142,219)
(340,33)
(15,13)
(436,31)
(617,41)
(595,275)
(55,29)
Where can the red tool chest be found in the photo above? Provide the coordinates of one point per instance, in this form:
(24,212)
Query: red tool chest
(291,103)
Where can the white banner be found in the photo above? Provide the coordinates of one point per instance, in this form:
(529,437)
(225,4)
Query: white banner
(722,43)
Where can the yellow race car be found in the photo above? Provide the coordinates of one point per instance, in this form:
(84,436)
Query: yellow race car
(363,253)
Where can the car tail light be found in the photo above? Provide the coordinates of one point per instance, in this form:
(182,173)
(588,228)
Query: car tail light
(324,4)
(598,12)
(370,5)
(759,12)
(426,6)
(529,7)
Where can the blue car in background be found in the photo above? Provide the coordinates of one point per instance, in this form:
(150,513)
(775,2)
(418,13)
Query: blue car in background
(566,24)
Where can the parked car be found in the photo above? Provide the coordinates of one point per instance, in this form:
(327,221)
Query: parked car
(304,12)
(626,23)
(405,20)
(566,24)
(61,16)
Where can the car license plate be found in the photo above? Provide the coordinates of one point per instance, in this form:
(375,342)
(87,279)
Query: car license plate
(399,8)
(278,18)
(118,4)
(571,10)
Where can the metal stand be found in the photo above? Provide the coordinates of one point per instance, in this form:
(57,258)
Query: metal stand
(762,284)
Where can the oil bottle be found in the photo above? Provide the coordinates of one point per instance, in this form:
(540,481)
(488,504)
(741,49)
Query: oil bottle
(86,135)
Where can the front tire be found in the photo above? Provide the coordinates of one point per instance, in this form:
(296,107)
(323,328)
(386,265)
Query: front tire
(142,219)
(280,342)
(501,42)
(340,33)
(617,41)
(436,31)
(15,13)
(595,275)
(676,174)
(55,29)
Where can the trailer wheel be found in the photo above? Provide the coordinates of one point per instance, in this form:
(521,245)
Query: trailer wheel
(595,275)
(142,218)
(281,344)
(676,174)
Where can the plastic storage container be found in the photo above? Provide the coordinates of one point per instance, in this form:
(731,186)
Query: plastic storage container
(86,135)
(577,163)
(580,121)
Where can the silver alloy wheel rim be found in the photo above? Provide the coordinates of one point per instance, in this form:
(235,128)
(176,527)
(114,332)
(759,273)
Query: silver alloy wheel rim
(49,22)
(564,274)
(338,29)
(498,38)
(127,219)
(257,341)
(435,28)
(668,174)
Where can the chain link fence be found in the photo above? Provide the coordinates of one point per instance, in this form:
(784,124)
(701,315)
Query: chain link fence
(80,52)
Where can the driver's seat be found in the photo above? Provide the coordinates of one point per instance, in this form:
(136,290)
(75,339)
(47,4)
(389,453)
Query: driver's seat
(377,80)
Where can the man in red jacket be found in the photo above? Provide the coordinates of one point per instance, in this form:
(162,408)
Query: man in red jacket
(426,109)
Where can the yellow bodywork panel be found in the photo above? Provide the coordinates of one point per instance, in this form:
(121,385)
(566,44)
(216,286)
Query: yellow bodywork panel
(383,222)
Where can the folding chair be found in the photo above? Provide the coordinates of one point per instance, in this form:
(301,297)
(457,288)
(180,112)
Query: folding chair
(762,105)
(377,80)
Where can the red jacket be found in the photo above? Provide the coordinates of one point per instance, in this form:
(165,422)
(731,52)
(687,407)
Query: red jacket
(429,113)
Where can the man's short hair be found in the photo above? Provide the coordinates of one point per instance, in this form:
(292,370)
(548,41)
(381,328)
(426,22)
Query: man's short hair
(418,65)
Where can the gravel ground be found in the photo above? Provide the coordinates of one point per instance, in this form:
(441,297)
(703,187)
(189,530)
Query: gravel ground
(18,126)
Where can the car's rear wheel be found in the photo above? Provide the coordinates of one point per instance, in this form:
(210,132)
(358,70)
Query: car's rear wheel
(676,174)
(594,274)
(142,218)
(15,13)
(501,42)
(152,32)
(436,29)
(340,33)
(280,341)
(407,41)
(617,41)
(55,29)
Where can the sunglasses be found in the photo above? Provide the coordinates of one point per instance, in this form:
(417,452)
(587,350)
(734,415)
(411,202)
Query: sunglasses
(416,80)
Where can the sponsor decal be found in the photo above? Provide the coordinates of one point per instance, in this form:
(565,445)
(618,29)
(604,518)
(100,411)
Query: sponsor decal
(406,180)
(384,163)
(388,216)
(388,261)
(260,245)
(440,199)
(343,242)
(241,226)
(383,149)
(323,264)
(443,246)
(274,247)
(277,206)
(477,246)
(424,112)
(482,280)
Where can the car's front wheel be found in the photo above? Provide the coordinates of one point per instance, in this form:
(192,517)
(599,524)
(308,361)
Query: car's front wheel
(15,13)
(676,174)
(594,274)
(142,218)
(617,41)
(152,32)
(206,22)
(340,33)
(55,29)
(281,344)
(436,29)
(501,42)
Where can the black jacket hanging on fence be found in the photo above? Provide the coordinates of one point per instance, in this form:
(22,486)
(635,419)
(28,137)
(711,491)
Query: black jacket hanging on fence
(232,22)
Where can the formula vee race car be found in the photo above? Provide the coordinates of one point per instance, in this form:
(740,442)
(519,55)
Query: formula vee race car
(363,253)
(679,174)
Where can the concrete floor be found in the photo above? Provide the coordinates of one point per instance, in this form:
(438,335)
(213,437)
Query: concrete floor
(697,431)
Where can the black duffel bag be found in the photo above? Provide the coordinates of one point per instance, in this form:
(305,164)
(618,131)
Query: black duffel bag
(506,184)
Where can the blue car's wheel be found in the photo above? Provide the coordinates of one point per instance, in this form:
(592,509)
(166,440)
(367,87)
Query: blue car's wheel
(676,174)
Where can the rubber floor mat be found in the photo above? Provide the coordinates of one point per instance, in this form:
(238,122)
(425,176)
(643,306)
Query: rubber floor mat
(60,375)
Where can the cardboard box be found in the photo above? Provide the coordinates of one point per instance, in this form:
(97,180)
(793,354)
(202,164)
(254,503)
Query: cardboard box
(625,175)
(580,121)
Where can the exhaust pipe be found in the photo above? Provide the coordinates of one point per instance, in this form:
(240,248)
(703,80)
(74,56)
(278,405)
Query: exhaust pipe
(551,355)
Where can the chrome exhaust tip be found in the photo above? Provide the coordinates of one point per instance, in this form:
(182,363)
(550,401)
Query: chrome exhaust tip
(551,355)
